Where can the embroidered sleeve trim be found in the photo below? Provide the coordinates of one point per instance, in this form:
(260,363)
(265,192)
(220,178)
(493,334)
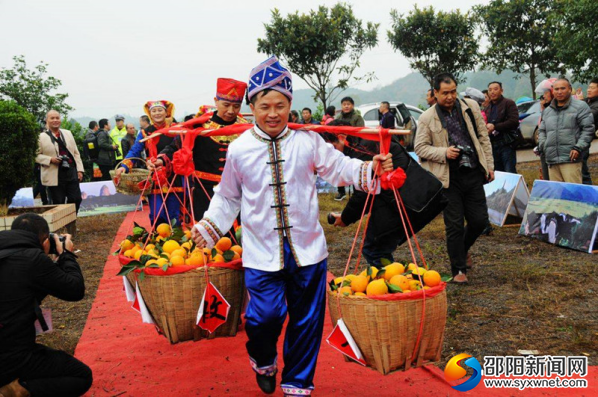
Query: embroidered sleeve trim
(214,228)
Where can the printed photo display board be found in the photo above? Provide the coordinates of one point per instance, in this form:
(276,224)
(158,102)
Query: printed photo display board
(507,197)
(564,214)
(102,198)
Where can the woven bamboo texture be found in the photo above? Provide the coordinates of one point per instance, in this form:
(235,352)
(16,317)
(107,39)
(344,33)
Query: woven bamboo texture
(386,331)
(129,182)
(174,301)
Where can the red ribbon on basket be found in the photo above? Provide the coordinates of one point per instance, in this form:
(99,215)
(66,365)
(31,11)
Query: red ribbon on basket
(395,178)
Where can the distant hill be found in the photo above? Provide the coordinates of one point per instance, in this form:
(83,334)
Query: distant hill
(410,89)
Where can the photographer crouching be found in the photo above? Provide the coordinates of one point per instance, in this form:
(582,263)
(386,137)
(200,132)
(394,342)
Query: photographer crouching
(27,275)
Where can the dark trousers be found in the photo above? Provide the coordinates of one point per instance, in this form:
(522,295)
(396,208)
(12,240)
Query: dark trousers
(466,201)
(68,188)
(39,188)
(505,158)
(545,175)
(374,251)
(299,292)
(50,372)
(105,169)
(585,171)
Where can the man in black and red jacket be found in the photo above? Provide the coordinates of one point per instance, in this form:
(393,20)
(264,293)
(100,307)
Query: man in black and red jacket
(385,230)
(209,153)
(27,276)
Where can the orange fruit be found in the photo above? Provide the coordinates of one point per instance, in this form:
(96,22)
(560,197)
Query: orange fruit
(188,234)
(414,285)
(151,262)
(392,270)
(412,267)
(170,246)
(400,281)
(218,258)
(377,287)
(138,254)
(162,261)
(164,229)
(374,273)
(179,252)
(223,244)
(359,284)
(177,261)
(126,245)
(128,253)
(360,294)
(149,247)
(187,246)
(196,260)
(345,291)
(432,278)
(237,256)
(421,271)
(238,249)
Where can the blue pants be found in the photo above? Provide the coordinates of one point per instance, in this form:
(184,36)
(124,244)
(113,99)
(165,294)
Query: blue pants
(173,207)
(505,158)
(300,291)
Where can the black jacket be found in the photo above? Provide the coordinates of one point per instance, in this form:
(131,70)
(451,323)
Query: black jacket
(26,276)
(385,221)
(593,104)
(507,118)
(106,152)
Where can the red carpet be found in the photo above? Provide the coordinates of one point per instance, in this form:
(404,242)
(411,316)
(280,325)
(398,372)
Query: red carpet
(129,358)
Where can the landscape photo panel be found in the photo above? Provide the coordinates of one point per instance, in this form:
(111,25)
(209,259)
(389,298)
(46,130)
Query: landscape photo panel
(507,197)
(564,214)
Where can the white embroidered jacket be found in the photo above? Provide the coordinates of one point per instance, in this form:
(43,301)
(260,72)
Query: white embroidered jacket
(273,183)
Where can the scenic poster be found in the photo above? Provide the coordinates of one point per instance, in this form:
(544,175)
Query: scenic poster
(23,198)
(507,197)
(102,198)
(564,214)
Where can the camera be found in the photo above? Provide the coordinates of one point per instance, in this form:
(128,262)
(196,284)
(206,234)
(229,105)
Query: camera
(65,162)
(53,248)
(466,156)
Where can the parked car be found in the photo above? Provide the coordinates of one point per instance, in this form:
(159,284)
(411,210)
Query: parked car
(529,120)
(406,117)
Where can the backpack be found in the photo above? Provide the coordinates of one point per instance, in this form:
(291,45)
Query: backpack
(91,149)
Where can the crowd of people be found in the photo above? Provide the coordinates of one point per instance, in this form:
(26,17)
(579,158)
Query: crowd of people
(266,175)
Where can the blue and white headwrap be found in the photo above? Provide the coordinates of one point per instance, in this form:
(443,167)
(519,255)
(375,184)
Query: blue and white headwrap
(270,74)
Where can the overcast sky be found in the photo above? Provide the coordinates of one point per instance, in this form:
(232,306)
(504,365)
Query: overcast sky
(112,56)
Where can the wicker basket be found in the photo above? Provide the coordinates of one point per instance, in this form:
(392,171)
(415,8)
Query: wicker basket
(386,331)
(129,182)
(174,301)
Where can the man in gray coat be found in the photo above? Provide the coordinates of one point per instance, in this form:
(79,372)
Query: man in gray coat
(565,132)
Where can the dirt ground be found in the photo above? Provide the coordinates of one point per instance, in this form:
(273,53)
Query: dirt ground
(523,294)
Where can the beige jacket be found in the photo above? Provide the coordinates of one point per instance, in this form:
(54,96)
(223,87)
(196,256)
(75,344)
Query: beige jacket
(46,149)
(431,141)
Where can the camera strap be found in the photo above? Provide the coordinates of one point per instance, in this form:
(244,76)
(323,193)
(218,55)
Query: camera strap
(38,311)
(60,143)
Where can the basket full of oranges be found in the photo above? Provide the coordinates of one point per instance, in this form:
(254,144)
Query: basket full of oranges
(396,314)
(171,273)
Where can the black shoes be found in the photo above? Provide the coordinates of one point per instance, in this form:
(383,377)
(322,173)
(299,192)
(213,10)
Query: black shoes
(340,197)
(266,383)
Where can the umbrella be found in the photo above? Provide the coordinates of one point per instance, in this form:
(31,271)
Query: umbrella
(474,94)
(545,85)
(523,99)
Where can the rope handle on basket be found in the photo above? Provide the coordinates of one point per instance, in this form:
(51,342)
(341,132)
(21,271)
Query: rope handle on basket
(385,148)
(130,158)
